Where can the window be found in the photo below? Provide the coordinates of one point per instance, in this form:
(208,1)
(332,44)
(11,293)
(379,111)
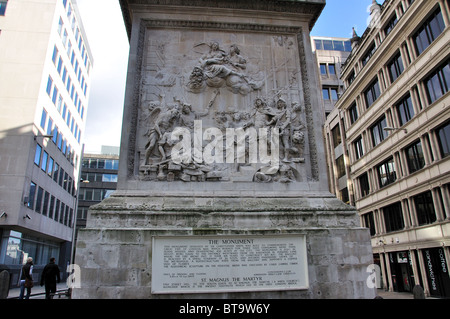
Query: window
(44,161)
(378,132)
(415,158)
(353,111)
(372,93)
(425,208)
(386,173)
(443,137)
(429,31)
(358,146)
(395,67)
(364,185)
(393,217)
(331,69)
(351,78)
(334,94)
(31,195)
(49,85)
(326,94)
(369,223)
(46,202)
(40,194)
(368,54)
(37,155)
(340,165)
(43,119)
(336,133)
(323,69)
(390,25)
(405,110)
(438,83)
(3,5)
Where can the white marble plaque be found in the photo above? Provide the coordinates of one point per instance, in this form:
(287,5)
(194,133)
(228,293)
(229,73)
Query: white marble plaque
(229,264)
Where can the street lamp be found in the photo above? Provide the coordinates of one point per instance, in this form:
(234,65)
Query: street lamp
(388,128)
(43,136)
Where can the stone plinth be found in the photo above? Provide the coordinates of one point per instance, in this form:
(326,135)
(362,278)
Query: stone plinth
(222,145)
(115,250)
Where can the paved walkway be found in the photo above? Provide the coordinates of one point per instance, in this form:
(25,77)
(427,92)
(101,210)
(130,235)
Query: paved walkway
(397,295)
(37,292)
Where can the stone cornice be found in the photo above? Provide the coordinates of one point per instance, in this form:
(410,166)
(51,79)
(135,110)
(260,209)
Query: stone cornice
(307,7)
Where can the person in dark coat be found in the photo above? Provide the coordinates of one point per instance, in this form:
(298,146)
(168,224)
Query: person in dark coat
(26,273)
(50,275)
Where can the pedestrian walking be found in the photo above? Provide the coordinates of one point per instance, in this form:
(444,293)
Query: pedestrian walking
(50,276)
(26,279)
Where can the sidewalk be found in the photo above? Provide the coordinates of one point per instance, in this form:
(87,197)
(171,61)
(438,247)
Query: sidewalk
(37,292)
(397,295)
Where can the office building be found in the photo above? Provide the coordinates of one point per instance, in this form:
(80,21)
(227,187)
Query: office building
(45,76)
(388,141)
(331,54)
(98,180)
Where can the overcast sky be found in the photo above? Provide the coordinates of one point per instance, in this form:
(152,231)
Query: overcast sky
(103,23)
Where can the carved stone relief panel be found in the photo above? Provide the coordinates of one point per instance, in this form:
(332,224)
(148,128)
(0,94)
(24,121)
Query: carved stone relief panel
(221,105)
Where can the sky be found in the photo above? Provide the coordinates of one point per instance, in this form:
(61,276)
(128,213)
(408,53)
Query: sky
(105,30)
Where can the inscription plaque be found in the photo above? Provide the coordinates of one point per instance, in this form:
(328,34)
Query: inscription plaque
(229,264)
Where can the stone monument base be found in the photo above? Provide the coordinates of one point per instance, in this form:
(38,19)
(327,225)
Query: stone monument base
(115,252)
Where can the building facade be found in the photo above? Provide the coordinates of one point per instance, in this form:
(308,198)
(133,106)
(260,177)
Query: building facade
(99,180)
(45,74)
(331,54)
(388,141)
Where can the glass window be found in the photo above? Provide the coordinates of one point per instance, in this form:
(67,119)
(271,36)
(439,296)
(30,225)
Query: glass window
(51,207)
(378,132)
(369,222)
(405,110)
(358,145)
(390,25)
(415,157)
(338,45)
(327,44)
(353,111)
(443,136)
(332,69)
(3,5)
(438,83)
(49,85)
(395,67)
(364,185)
(37,155)
(39,196)
(340,165)
(46,203)
(44,161)
(393,217)
(336,133)
(43,118)
(370,52)
(429,31)
(334,94)
(386,173)
(326,93)
(425,208)
(323,69)
(31,195)
(319,45)
(109,178)
(372,93)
